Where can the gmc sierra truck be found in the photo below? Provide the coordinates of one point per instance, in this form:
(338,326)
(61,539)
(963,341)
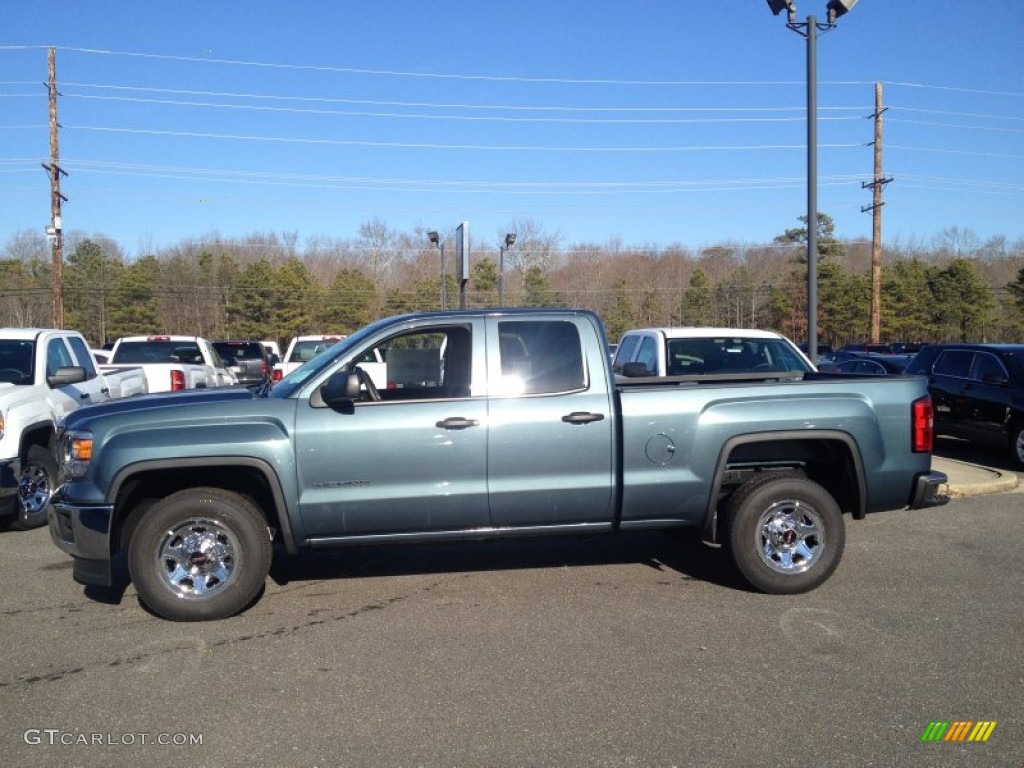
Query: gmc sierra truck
(494,423)
(45,373)
(173,363)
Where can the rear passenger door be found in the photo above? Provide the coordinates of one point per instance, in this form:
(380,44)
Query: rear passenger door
(987,399)
(549,449)
(950,373)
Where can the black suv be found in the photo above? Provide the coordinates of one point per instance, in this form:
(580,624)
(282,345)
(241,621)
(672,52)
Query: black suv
(248,360)
(977,391)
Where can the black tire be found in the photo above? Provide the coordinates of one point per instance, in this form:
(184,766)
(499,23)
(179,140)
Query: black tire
(1017,445)
(200,554)
(786,533)
(36,484)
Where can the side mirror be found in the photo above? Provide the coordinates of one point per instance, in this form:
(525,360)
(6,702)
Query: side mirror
(72,374)
(341,390)
(636,370)
(274,359)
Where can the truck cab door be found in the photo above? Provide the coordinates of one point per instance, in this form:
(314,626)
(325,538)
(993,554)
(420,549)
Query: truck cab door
(550,453)
(412,462)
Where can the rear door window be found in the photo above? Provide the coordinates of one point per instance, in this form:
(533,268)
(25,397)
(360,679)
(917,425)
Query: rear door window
(954,362)
(541,357)
(987,365)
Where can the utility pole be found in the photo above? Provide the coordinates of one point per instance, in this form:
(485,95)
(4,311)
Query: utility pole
(54,230)
(876,219)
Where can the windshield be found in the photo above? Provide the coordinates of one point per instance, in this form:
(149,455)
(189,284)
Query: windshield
(291,383)
(16,361)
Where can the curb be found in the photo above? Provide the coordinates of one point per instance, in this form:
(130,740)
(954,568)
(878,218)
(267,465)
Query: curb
(994,482)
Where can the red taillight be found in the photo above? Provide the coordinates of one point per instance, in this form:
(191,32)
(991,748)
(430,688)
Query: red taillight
(923,425)
(177,381)
(278,374)
(264,368)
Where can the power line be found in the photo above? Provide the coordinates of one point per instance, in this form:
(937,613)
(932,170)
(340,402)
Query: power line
(423,145)
(959,127)
(979,91)
(956,152)
(447,105)
(443,76)
(950,113)
(467,118)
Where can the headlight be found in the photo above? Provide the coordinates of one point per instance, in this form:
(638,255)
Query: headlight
(75,453)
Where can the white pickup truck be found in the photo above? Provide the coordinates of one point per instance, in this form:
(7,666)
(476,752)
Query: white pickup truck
(45,374)
(173,363)
(302,349)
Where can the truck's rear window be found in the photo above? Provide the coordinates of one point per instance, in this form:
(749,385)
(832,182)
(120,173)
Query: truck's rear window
(695,356)
(304,351)
(142,352)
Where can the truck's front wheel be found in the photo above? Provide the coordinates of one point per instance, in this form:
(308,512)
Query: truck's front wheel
(786,533)
(36,484)
(200,554)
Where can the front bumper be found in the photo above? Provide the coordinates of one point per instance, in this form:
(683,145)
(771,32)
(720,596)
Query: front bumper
(83,531)
(9,471)
(930,490)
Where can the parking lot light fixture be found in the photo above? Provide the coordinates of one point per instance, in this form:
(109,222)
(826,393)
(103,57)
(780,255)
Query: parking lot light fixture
(435,238)
(510,240)
(809,31)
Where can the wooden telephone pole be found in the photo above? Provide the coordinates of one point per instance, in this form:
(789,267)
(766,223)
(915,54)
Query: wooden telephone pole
(876,218)
(54,231)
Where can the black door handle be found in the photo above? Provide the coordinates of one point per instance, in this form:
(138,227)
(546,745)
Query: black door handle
(582,417)
(457,422)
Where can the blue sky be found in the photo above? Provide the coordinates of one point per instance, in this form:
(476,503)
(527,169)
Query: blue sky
(645,123)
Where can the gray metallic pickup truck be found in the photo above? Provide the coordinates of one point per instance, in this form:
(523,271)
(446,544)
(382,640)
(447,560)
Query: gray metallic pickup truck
(492,423)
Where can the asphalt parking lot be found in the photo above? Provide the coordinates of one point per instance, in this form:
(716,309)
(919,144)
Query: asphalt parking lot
(622,651)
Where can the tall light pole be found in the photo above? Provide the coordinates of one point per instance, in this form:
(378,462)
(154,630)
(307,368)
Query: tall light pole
(436,240)
(510,240)
(809,30)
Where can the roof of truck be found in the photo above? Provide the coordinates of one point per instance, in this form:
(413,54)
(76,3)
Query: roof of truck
(704,332)
(28,333)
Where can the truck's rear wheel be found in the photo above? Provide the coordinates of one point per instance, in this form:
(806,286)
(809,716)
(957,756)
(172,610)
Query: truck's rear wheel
(786,533)
(199,554)
(36,484)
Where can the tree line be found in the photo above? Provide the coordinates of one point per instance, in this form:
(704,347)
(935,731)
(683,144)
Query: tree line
(266,286)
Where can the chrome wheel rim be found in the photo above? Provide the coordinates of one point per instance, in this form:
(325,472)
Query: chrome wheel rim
(34,490)
(197,558)
(790,536)
(1019,447)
